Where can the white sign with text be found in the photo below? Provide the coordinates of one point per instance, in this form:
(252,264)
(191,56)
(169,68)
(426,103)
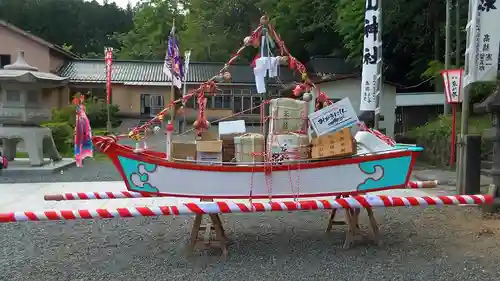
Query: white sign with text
(334,117)
(453,89)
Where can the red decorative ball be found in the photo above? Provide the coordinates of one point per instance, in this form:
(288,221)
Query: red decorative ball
(298,90)
(170,127)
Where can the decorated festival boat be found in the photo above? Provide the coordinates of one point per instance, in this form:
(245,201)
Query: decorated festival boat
(152,173)
(302,154)
(308,147)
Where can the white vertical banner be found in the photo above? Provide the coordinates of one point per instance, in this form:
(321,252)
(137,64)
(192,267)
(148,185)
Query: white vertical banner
(187,56)
(372,57)
(483,41)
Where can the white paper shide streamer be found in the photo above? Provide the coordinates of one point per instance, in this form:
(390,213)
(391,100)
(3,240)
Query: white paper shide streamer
(372,55)
(483,41)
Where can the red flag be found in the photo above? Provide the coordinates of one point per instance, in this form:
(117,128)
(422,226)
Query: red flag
(108,58)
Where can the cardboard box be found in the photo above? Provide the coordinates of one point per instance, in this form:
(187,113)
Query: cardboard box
(183,150)
(206,136)
(332,138)
(230,129)
(287,115)
(288,147)
(346,147)
(209,151)
(228,150)
(209,157)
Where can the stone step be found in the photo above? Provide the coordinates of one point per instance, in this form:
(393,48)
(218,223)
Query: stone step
(486,164)
(486,172)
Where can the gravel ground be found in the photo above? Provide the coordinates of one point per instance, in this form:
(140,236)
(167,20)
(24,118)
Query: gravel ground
(451,243)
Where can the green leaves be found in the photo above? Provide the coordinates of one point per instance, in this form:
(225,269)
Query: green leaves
(86,26)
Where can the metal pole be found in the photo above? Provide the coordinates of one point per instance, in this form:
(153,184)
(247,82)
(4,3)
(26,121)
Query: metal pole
(447,47)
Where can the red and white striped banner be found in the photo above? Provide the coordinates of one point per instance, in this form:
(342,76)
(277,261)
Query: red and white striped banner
(108,59)
(365,201)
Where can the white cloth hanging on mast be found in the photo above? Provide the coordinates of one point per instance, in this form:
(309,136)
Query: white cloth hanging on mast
(266,64)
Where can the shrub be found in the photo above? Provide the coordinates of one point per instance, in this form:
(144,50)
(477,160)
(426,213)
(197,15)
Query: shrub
(62,133)
(96,112)
(435,137)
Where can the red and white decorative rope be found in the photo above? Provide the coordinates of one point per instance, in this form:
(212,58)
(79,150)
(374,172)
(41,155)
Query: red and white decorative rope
(378,134)
(422,184)
(98,195)
(355,202)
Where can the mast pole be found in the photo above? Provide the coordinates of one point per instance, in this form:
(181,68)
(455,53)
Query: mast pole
(265,53)
(169,125)
(172,89)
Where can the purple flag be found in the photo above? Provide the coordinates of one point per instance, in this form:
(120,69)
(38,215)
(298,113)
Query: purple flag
(173,64)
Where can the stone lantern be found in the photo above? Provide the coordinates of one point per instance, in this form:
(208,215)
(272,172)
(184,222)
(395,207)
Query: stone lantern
(492,105)
(22,108)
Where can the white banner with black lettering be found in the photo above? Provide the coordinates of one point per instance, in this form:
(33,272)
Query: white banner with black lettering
(372,54)
(484,44)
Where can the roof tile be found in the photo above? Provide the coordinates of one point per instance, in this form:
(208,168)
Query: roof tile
(93,71)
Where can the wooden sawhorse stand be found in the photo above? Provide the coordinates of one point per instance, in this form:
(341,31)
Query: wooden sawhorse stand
(210,235)
(352,222)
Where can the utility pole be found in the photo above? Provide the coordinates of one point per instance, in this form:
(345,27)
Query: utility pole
(447,47)
(457,33)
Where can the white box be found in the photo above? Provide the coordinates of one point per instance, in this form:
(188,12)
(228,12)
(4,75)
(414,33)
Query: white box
(231,128)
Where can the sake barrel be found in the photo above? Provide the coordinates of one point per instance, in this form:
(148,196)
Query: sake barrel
(249,148)
(288,115)
(288,147)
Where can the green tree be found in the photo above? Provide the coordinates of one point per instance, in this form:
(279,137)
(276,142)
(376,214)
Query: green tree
(86,26)
(307,27)
(152,23)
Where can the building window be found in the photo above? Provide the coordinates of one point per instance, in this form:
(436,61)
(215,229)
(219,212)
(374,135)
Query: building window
(218,102)
(157,101)
(4,60)
(256,101)
(237,101)
(227,102)
(222,102)
(210,102)
(247,105)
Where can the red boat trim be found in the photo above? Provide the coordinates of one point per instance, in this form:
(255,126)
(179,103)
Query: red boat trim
(154,157)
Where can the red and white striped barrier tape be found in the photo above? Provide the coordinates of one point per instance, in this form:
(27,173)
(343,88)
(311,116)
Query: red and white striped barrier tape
(365,201)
